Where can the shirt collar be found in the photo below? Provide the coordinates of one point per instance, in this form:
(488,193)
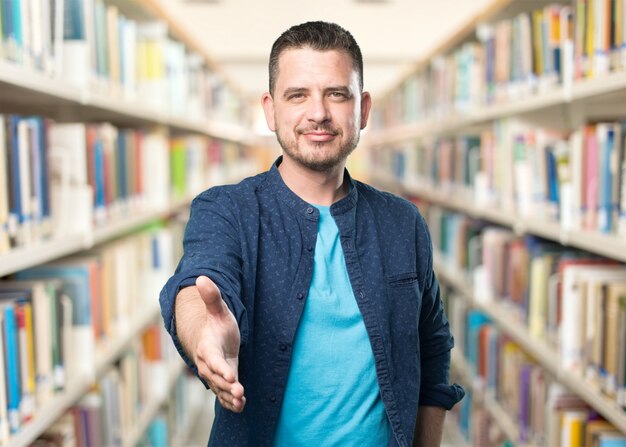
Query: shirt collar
(287,196)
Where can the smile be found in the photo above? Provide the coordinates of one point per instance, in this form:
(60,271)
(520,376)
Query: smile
(320,136)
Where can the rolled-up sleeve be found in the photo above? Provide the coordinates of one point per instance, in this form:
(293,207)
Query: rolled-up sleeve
(436,341)
(212,248)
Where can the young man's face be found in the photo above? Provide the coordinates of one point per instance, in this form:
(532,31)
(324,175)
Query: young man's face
(316,109)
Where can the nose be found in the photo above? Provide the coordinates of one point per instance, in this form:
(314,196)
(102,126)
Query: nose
(318,111)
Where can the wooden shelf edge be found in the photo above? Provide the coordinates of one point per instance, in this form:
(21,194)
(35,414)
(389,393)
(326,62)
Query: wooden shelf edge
(609,245)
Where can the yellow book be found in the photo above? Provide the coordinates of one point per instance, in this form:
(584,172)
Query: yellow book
(589,38)
(612,331)
(537,42)
(576,432)
(30,346)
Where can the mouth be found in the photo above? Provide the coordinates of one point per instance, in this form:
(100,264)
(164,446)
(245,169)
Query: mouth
(320,136)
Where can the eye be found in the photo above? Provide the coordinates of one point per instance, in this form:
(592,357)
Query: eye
(295,96)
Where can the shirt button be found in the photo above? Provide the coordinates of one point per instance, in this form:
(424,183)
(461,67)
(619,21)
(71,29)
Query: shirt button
(361,294)
(309,210)
(310,248)
(282,347)
(273,399)
(300,295)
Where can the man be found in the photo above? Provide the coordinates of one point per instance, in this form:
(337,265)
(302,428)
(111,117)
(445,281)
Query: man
(306,300)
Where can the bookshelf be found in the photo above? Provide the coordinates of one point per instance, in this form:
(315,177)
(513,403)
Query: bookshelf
(450,127)
(105,357)
(500,416)
(539,351)
(192,119)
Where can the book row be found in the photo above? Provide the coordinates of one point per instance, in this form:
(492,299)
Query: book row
(111,412)
(94,45)
(513,58)
(575,179)
(66,178)
(537,409)
(57,317)
(571,301)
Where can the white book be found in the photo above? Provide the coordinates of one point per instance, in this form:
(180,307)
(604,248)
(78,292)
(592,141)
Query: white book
(573,320)
(571,218)
(70,195)
(4,190)
(130,59)
(156,170)
(23,141)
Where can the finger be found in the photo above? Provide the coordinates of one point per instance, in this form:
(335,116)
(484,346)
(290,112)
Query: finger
(232,404)
(218,365)
(218,384)
(211,295)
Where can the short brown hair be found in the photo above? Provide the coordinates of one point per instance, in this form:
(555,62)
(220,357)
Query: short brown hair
(322,36)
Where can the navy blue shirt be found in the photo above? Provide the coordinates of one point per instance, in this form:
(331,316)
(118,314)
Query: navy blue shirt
(256,241)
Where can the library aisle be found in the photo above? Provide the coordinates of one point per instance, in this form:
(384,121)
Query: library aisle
(508,132)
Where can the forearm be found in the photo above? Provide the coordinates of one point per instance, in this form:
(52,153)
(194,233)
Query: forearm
(429,426)
(190,315)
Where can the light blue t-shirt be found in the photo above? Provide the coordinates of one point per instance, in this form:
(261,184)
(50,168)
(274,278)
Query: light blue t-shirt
(332,396)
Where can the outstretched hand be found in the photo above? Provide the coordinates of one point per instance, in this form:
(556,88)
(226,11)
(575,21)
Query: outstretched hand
(217,350)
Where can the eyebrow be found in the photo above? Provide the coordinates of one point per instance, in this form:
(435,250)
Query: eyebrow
(291,90)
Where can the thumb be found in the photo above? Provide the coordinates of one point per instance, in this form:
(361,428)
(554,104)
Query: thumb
(211,295)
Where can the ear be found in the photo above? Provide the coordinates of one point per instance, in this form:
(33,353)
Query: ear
(268,108)
(366,105)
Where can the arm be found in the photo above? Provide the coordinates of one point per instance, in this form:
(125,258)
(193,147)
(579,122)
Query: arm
(208,281)
(429,427)
(436,393)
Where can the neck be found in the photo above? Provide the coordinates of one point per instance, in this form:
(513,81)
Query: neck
(319,188)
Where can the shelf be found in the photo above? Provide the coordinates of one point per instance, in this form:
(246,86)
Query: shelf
(149,412)
(40,252)
(548,359)
(107,354)
(607,245)
(23,90)
(123,225)
(49,250)
(610,88)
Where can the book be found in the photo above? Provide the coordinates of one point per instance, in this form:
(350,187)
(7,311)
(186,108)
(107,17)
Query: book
(75,277)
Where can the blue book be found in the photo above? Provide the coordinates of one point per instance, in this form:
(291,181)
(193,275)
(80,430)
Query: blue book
(73,20)
(14,170)
(15,31)
(553,183)
(12,365)
(157,432)
(44,177)
(610,441)
(100,196)
(475,320)
(605,177)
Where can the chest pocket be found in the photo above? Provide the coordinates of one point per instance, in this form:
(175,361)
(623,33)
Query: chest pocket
(402,280)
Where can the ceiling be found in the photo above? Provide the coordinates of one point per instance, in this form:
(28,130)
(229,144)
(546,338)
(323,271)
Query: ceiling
(392,34)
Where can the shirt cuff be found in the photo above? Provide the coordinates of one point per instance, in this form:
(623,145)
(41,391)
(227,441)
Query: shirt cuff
(441,395)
